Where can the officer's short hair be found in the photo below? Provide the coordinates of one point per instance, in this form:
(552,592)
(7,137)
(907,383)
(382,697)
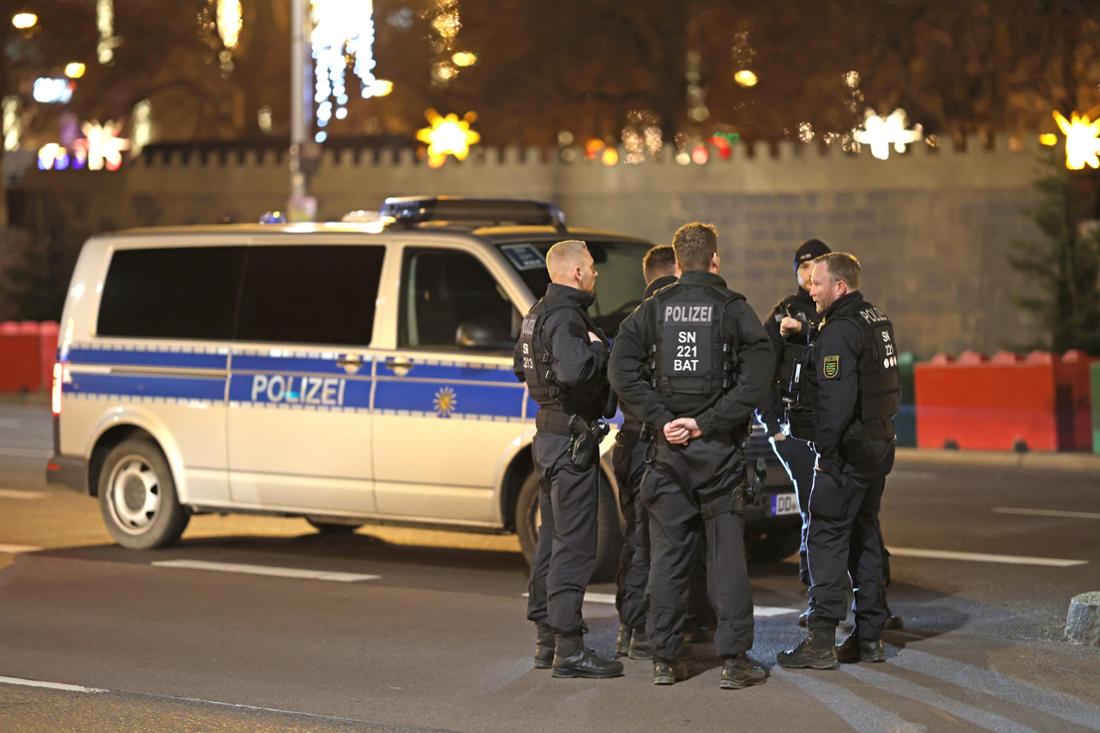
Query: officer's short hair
(659,261)
(564,255)
(695,244)
(842,266)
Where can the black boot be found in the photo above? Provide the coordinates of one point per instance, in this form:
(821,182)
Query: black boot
(893,623)
(623,641)
(666,673)
(641,646)
(804,618)
(573,659)
(739,672)
(853,650)
(816,651)
(544,647)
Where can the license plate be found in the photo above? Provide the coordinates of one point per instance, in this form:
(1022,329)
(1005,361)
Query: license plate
(784,504)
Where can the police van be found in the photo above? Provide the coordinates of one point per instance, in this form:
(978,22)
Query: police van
(347,373)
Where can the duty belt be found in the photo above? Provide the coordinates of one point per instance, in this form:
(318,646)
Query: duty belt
(549,420)
(644,433)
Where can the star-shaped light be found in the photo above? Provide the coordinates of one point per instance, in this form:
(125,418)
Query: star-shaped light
(102,145)
(1082,140)
(447,136)
(882,132)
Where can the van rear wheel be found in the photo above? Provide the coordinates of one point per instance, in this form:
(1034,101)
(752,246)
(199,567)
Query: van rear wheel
(609,538)
(137,496)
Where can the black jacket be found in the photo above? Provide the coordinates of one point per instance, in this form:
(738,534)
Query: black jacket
(837,396)
(800,303)
(726,412)
(576,359)
(631,423)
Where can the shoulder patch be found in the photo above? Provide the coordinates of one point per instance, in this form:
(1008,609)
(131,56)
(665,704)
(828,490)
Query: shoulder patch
(831,368)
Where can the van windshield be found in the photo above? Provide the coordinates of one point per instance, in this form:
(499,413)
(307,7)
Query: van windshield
(619,286)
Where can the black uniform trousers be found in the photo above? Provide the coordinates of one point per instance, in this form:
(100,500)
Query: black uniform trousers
(844,541)
(566,552)
(688,492)
(628,461)
(798,458)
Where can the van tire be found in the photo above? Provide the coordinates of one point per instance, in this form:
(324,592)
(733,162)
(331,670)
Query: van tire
(333,528)
(609,542)
(774,544)
(137,496)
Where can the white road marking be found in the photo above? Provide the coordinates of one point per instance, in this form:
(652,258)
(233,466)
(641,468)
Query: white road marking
(231,567)
(28,495)
(25,452)
(756,610)
(48,685)
(1050,562)
(18,549)
(1045,512)
(914,475)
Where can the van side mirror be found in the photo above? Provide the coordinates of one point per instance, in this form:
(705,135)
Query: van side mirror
(483,336)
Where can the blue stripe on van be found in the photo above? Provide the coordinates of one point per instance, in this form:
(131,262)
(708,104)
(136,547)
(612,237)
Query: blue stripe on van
(193,388)
(296,364)
(165,359)
(444,399)
(450,373)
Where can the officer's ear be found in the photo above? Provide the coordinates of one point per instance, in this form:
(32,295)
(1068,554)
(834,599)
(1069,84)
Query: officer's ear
(715,262)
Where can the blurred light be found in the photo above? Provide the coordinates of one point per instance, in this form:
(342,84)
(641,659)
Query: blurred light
(380,88)
(230,20)
(593,147)
(105,24)
(1082,140)
(24,21)
(746,78)
(320,137)
(55,390)
(1049,139)
(343,32)
(464,58)
(610,156)
(273,217)
(264,120)
(342,113)
(699,155)
(48,156)
(565,138)
(142,125)
(443,72)
(447,136)
(52,90)
(75,69)
(10,122)
(882,132)
(683,158)
(103,145)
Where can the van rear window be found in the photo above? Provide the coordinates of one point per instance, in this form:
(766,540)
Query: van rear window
(172,293)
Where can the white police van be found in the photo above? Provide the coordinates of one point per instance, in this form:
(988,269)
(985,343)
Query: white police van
(346,373)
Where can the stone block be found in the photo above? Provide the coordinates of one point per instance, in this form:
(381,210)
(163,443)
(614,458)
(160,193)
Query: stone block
(1083,619)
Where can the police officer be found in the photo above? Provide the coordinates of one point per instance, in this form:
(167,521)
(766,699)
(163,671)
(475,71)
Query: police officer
(846,410)
(628,459)
(693,362)
(791,327)
(562,356)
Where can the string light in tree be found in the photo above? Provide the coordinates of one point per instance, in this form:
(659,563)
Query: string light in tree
(448,136)
(343,31)
(1082,140)
(105,24)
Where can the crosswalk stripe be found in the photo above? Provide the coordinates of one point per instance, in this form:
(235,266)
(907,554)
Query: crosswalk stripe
(25,495)
(298,573)
(1050,562)
(1045,512)
(17,549)
(48,685)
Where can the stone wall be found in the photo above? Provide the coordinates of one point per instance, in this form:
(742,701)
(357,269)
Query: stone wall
(932,227)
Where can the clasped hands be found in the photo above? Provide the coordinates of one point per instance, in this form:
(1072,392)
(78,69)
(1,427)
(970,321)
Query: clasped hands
(681,430)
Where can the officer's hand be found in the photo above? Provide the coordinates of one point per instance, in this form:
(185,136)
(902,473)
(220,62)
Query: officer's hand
(789,325)
(681,430)
(779,437)
(593,338)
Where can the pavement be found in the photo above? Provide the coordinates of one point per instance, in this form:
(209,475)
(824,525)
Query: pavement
(260,624)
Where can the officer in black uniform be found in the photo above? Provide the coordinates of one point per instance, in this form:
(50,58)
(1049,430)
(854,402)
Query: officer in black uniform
(846,409)
(628,460)
(693,362)
(562,356)
(791,327)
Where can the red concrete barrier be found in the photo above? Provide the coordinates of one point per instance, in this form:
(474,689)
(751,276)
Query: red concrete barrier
(1040,402)
(20,357)
(47,350)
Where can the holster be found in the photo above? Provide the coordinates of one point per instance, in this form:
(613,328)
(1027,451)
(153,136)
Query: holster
(585,440)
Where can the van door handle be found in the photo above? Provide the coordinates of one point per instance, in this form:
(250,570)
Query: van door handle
(400,367)
(350,364)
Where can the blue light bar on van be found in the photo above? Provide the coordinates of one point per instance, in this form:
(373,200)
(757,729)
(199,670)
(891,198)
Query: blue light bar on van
(413,210)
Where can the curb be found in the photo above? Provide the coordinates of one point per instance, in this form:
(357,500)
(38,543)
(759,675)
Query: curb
(1082,462)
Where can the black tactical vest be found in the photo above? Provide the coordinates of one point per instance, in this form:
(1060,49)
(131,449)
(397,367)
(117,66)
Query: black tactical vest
(879,391)
(691,355)
(586,400)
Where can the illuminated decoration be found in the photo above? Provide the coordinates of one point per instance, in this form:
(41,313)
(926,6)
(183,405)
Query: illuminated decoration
(700,155)
(1049,139)
(447,136)
(264,120)
(610,156)
(445,401)
(446,22)
(805,132)
(105,24)
(381,88)
(882,132)
(343,32)
(696,93)
(443,72)
(464,59)
(24,21)
(52,90)
(75,69)
(1082,140)
(642,136)
(746,78)
(229,20)
(12,125)
(724,142)
(53,157)
(102,146)
(142,126)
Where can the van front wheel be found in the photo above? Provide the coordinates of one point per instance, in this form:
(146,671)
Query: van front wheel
(137,496)
(609,541)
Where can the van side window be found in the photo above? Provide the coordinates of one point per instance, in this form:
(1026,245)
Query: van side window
(445,290)
(171,293)
(310,294)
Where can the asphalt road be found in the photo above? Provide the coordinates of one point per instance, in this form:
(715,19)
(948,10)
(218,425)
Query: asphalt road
(406,630)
